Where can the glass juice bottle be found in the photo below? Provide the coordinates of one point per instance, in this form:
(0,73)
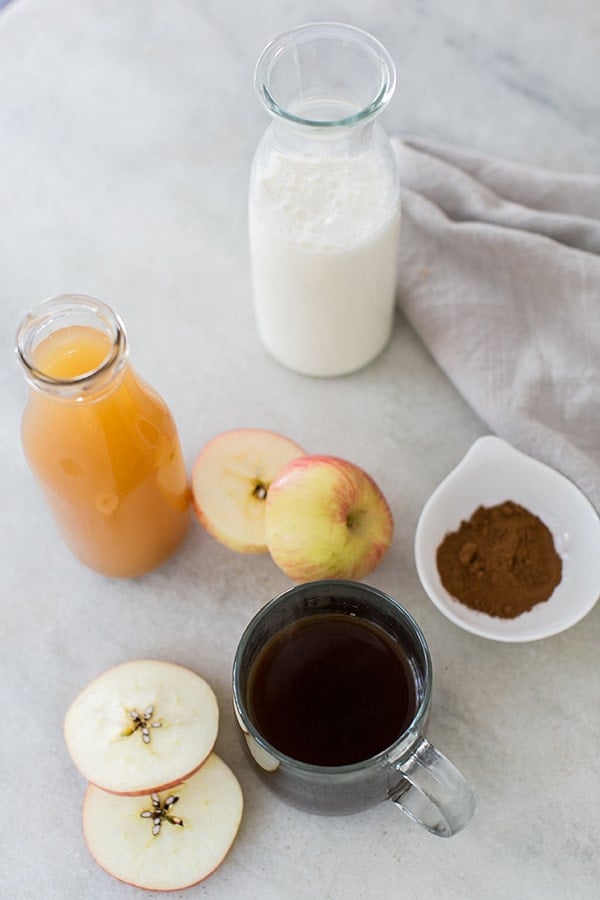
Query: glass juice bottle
(324,200)
(100,441)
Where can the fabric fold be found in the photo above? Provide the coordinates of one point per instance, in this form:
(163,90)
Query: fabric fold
(499,274)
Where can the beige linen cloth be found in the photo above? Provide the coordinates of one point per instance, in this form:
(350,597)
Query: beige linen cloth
(499,274)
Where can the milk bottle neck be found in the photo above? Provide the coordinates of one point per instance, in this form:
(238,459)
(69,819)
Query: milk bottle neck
(312,140)
(324,84)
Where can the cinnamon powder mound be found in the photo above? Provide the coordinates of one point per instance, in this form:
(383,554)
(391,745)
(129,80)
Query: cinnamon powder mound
(502,561)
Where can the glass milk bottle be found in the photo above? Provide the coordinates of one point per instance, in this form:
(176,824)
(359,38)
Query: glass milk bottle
(100,441)
(324,201)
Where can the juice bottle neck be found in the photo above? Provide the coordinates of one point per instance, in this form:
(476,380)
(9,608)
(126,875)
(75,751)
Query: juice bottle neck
(54,359)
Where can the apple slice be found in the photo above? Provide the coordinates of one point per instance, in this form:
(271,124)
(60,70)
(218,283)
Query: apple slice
(142,726)
(326,518)
(170,840)
(230,483)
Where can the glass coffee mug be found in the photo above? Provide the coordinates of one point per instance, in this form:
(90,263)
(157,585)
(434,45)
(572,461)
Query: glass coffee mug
(332,690)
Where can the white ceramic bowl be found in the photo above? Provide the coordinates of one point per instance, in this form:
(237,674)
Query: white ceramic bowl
(491,472)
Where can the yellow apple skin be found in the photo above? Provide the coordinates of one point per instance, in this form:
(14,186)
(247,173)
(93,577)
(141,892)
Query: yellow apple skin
(326,518)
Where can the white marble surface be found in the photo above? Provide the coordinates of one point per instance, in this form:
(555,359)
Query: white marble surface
(126,134)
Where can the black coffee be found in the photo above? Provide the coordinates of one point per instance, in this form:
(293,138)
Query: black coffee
(331,690)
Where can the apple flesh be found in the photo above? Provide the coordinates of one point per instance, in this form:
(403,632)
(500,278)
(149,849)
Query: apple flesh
(142,726)
(231,478)
(326,518)
(166,841)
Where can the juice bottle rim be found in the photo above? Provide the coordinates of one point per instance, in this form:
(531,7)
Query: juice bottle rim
(62,312)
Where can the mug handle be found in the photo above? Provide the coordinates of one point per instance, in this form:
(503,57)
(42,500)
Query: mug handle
(432,792)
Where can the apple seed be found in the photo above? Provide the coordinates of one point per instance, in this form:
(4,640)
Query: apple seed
(141,721)
(160,812)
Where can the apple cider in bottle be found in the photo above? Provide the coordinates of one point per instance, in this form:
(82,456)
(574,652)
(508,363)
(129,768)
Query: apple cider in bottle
(100,441)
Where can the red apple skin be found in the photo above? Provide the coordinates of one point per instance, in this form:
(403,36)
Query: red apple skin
(326,517)
(154,890)
(154,790)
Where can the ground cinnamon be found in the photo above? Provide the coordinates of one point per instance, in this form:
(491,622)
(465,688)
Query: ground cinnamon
(502,561)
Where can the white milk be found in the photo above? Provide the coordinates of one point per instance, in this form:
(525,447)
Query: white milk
(324,259)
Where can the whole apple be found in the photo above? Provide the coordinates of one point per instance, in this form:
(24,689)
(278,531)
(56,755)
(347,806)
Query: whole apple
(326,518)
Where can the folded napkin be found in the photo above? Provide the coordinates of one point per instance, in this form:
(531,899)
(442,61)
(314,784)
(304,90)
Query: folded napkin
(499,274)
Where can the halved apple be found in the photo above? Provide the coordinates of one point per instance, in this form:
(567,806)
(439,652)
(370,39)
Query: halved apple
(142,726)
(166,841)
(326,518)
(230,483)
